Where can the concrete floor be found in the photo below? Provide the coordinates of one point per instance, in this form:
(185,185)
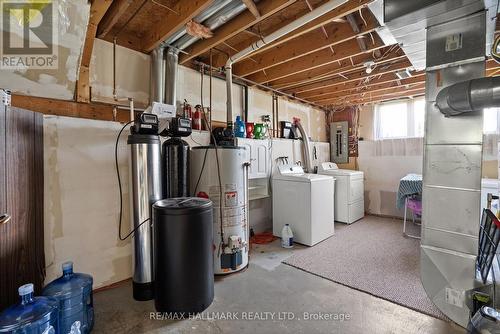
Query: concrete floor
(287,293)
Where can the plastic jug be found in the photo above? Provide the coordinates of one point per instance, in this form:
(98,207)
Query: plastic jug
(74,293)
(258,131)
(33,315)
(239,128)
(286,237)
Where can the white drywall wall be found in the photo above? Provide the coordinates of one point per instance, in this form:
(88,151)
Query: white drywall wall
(55,83)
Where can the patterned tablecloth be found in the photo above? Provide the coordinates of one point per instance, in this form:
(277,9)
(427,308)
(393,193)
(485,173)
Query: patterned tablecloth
(409,185)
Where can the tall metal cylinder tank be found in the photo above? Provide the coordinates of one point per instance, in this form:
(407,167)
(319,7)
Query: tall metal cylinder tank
(145,189)
(231,233)
(175,168)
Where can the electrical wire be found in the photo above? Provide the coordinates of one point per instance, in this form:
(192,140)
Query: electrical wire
(120,189)
(209,126)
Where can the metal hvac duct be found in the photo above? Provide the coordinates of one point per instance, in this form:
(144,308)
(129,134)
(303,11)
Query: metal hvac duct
(172,64)
(205,14)
(321,10)
(469,96)
(157,70)
(215,21)
(307,152)
(451,35)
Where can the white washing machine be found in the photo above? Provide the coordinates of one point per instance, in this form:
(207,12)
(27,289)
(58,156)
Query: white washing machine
(305,201)
(349,192)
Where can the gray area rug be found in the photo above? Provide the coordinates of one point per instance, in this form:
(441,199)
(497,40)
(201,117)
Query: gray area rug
(371,255)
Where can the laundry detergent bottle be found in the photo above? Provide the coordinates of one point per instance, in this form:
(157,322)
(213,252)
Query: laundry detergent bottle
(239,128)
(286,237)
(74,294)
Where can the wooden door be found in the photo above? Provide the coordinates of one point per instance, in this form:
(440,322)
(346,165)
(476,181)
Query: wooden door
(22,257)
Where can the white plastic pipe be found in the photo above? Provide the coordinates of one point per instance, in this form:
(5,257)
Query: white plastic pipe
(322,10)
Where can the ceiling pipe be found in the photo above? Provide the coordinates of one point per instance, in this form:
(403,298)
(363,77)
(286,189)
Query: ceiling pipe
(205,14)
(157,82)
(469,96)
(172,62)
(327,7)
(222,16)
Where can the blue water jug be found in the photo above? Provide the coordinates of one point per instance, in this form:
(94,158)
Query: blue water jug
(74,293)
(240,128)
(33,315)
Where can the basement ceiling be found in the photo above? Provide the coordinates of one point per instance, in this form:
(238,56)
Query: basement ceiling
(324,62)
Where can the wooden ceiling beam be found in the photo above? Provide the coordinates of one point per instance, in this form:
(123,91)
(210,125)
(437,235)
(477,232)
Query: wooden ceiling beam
(361,89)
(379,98)
(376,93)
(380,95)
(324,87)
(344,66)
(115,12)
(314,60)
(238,24)
(353,85)
(252,8)
(333,16)
(301,46)
(97,11)
(186,10)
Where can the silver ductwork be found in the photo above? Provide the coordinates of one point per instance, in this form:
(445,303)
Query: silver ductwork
(469,96)
(307,144)
(205,14)
(409,31)
(448,39)
(321,10)
(219,18)
(172,65)
(157,78)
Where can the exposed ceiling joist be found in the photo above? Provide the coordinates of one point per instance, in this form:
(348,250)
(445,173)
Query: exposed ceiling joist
(360,86)
(238,24)
(252,7)
(180,14)
(403,93)
(317,59)
(333,16)
(376,93)
(115,12)
(97,11)
(321,88)
(359,90)
(301,46)
(296,81)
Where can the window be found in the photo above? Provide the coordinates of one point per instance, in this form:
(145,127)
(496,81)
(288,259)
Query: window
(400,119)
(403,119)
(490,120)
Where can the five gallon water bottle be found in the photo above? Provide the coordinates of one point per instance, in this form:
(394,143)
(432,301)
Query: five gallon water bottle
(286,237)
(74,293)
(33,315)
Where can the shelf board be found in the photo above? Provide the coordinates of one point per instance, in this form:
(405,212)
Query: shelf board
(257,196)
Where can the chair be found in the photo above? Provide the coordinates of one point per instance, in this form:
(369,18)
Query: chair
(414,204)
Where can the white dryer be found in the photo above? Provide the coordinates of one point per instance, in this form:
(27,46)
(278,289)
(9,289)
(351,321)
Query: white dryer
(305,201)
(349,192)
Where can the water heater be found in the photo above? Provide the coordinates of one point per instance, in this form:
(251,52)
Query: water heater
(229,195)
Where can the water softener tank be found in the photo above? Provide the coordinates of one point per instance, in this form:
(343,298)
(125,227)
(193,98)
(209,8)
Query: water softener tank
(73,291)
(183,255)
(175,168)
(33,315)
(145,189)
